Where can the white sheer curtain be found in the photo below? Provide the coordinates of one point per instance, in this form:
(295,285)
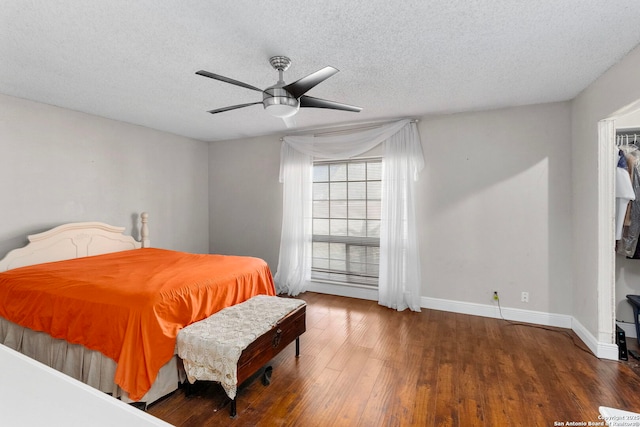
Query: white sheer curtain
(399,278)
(399,282)
(294,263)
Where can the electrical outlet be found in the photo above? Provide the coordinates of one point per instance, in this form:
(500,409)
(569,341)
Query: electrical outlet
(524,297)
(495,296)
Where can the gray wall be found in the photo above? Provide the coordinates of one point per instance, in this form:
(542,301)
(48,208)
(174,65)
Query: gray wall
(59,166)
(245,198)
(494,204)
(615,89)
(495,207)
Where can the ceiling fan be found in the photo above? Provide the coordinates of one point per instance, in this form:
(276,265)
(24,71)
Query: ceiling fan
(284,100)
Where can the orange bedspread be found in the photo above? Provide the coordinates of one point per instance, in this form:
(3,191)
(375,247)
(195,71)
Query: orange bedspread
(129,305)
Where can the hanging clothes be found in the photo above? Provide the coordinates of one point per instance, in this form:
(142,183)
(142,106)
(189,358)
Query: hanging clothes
(624,192)
(628,245)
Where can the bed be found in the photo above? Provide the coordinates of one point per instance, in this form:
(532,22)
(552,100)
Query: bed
(104,308)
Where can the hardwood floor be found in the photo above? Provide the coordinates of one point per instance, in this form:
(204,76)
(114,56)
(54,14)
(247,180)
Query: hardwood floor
(365,365)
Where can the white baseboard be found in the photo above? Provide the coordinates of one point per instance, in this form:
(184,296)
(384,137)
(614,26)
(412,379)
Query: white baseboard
(344,290)
(600,349)
(485,310)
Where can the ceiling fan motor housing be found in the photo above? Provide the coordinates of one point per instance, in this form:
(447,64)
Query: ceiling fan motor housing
(278,102)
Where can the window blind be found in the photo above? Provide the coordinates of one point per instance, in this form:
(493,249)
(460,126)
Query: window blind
(346,221)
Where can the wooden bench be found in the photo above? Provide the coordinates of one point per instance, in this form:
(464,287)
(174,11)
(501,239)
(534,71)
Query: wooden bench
(234,344)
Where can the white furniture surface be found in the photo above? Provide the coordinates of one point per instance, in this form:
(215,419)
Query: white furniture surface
(32,394)
(619,418)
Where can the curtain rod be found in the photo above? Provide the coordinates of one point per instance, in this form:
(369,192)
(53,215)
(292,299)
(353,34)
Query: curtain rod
(627,131)
(350,129)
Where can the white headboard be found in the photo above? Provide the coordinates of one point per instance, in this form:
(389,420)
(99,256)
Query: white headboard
(75,240)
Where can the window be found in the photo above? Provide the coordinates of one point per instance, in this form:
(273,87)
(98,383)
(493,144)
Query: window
(346,221)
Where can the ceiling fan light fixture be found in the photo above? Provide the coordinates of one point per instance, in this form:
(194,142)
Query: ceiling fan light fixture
(279,103)
(281,110)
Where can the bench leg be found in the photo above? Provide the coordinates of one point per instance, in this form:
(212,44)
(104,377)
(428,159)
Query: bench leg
(266,380)
(266,376)
(188,388)
(233,409)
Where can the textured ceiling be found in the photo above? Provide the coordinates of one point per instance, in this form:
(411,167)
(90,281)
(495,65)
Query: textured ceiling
(135,61)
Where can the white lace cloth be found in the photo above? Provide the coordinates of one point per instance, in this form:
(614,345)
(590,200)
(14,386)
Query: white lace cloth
(211,348)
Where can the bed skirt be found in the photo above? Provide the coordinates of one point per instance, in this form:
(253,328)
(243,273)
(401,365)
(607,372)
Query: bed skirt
(88,366)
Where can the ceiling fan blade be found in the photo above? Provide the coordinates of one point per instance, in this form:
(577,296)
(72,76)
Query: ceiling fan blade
(290,122)
(232,107)
(226,80)
(309,101)
(300,87)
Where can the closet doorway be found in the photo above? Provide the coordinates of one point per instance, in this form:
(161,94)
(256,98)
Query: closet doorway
(610,299)
(627,257)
